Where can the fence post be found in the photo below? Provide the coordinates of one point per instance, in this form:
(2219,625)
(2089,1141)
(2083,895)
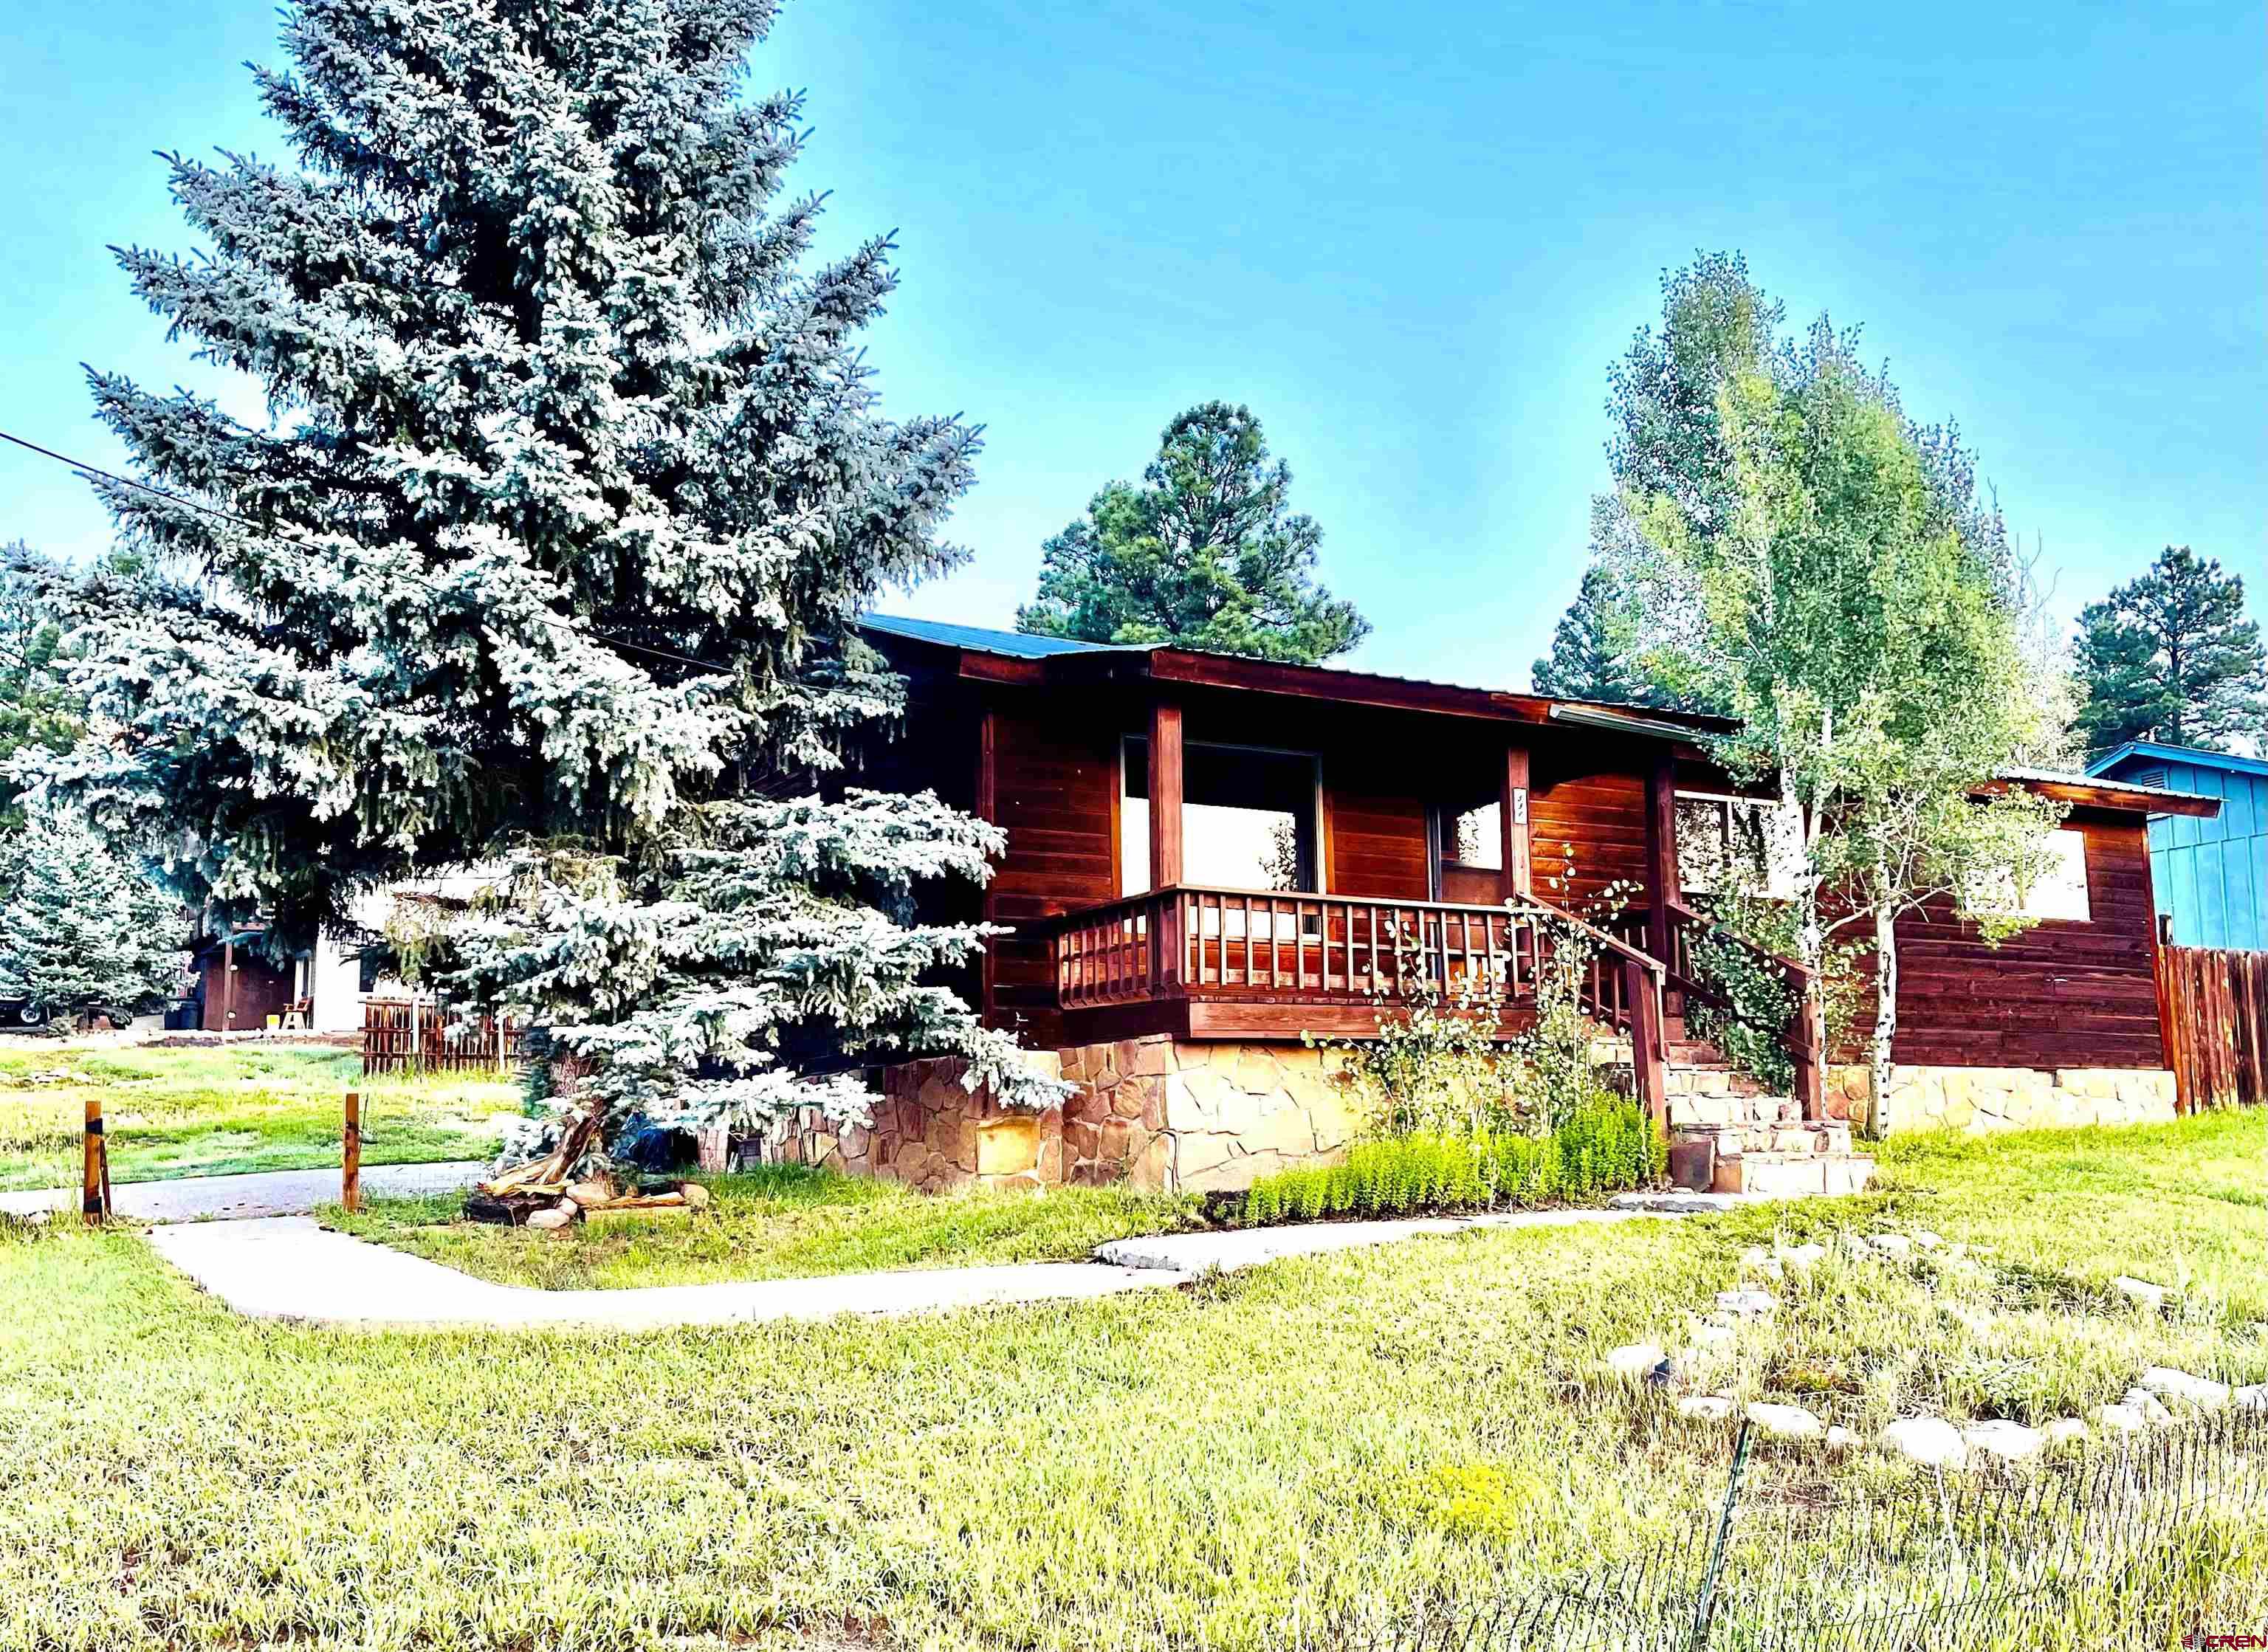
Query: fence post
(350,1157)
(95,1170)
(1705,1614)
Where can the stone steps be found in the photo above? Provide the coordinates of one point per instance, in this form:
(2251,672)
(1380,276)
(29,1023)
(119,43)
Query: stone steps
(1781,1158)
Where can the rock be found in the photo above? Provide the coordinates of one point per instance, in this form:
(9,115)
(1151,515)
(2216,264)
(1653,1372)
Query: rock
(1928,1240)
(2252,1399)
(1841,1439)
(2169,1383)
(593,1190)
(2118,1418)
(555,1220)
(1705,1408)
(696,1196)
(2065,1431)
(1894,1245)
(1755,1256)
(2140,1292)
(1745,1302)
(1804,1257)
(1784,1422)
(1711,1336)
(2153,1412)
(2011,1441)
(1635,1361)
(1931,1440)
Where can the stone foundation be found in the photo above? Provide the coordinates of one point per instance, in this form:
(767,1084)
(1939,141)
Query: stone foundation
(930,1132)
(1978,1099)
(1158,1116)
(1201,1118)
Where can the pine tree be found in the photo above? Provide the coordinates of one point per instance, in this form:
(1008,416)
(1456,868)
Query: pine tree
(1207,554)
(555,555)
(2170,657)
(82,928)
(38,712)
(1594,649)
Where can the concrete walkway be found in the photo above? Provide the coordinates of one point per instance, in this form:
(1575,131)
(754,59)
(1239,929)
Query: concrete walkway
(289,1268)
(257,1193)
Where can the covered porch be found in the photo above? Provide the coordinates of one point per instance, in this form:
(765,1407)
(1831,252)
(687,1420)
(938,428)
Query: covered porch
(1289,950)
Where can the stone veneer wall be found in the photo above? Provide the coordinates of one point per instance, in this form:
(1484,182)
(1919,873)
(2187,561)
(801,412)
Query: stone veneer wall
(1156,1115)
(930,1132)
(1200,1118)
(1980,1098)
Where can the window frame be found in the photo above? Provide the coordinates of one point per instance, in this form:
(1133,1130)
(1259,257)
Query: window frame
(1725,801)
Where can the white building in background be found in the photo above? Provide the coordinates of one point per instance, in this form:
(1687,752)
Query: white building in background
(336,978)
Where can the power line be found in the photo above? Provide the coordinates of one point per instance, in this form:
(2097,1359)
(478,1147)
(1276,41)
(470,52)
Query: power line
(266,533)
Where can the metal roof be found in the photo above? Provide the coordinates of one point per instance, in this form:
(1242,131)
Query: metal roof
(1015,644)
(2158,752)
(1018,645)
(2064,777)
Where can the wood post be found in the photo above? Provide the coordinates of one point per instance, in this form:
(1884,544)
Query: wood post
(1165,794)
(1662,880)
(1512,814)
(228,986)
(95,1170)
(1649,1070)
(350,1157)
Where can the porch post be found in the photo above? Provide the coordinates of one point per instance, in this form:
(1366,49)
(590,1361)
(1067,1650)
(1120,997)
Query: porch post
(1170,945)
(1165,794)
(1661,882)
(1511,815)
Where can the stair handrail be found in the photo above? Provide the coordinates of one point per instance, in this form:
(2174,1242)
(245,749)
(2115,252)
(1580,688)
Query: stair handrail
(1613,944)
(1797,1030)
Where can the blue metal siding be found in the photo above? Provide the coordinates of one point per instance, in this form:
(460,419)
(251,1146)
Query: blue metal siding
(2212,876)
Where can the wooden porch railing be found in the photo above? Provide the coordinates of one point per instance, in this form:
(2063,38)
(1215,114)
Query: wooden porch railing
(1799,1033)
(1171,943)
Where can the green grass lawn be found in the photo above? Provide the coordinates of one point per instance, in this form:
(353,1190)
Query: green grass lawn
(781,1222)
(1164,1468)
(212,1110)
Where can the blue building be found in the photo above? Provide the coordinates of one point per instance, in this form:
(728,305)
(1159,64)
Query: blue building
(2212,876)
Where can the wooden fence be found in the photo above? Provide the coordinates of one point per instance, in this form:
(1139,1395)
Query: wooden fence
(401,1036)
(2214,1008)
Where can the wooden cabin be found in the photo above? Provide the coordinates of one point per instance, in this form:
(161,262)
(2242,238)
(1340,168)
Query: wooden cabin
(1210,856)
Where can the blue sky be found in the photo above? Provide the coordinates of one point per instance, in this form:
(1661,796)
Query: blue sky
(1411,237)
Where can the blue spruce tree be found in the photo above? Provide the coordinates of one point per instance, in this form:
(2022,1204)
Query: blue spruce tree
(550,556)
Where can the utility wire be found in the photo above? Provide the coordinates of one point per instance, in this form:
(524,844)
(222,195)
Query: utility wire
(266,533)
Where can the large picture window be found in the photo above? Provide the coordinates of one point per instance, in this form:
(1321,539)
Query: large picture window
(1248,819)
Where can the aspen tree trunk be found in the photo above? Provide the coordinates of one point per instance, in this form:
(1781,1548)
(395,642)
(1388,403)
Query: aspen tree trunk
(1886,1014)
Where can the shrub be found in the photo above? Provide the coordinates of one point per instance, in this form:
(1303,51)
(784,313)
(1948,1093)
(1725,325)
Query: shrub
(1601,1149)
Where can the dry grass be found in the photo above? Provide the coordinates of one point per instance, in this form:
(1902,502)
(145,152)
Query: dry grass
(1138,1472)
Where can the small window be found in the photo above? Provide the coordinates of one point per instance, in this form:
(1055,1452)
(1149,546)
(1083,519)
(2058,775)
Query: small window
(2058,893)
(1247,818)
(1726,843)
(1474,837)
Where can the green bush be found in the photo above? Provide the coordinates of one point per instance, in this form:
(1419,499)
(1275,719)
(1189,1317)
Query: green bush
(1601,1149)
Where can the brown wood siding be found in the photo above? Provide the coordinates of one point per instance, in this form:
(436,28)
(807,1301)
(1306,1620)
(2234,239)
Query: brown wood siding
(1375,831)
(1055,783)
(1588,829)
(2060,994)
